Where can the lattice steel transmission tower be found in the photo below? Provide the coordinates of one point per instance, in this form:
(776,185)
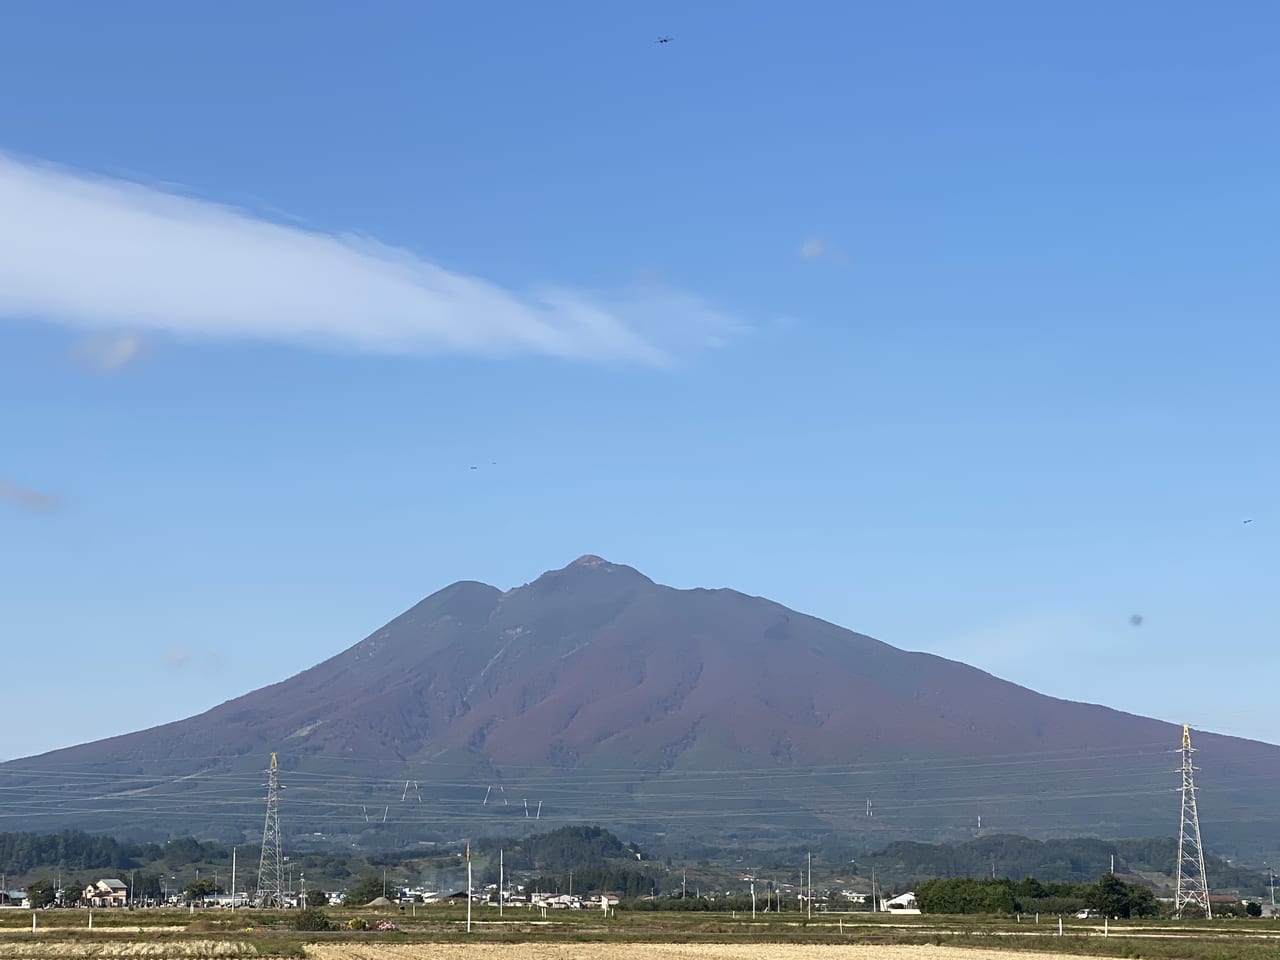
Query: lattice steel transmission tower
(271,867)
(1193,886)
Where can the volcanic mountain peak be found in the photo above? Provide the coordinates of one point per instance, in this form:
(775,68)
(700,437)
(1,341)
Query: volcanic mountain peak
(589,564)
(594,667)
(591,560)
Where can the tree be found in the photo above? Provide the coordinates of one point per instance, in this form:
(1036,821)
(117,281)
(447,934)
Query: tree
(71,892)
(199,889)
(964,895)
(148,886)
(317,898)
(368,888)
(1253,908)
(1112,897)
(41,893)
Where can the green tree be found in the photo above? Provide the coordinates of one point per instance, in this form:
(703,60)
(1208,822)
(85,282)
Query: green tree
(148,886)
(368,888)
(41,893)
(318,898)
(182,852)
(71,892)
(1253,908)
(199,889)
(1112,897)
(964,895)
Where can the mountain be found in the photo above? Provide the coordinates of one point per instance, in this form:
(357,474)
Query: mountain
(594,694)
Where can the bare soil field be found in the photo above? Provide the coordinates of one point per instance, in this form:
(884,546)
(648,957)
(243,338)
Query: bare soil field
(653,951)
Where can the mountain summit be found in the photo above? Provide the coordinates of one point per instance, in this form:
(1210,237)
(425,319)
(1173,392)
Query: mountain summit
(597,694)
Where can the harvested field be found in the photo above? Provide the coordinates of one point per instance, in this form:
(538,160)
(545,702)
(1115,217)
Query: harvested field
(652,951)
(125,950)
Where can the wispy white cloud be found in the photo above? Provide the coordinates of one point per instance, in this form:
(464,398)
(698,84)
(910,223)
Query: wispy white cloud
(812,248)
(108,352)
(28,499)
(109,255)
(815,248)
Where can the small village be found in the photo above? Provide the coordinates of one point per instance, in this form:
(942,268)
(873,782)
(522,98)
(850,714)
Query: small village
(113,893)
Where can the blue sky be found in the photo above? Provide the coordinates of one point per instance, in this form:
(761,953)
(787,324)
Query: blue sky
(953,324)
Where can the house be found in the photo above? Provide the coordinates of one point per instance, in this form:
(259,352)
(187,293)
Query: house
(107,893)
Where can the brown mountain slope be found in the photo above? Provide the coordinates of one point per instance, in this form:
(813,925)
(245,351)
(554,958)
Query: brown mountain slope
(611,698)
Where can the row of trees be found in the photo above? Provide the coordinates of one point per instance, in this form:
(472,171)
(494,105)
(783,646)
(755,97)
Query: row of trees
(558,851)
(77,850)
(1110,896)
(1078,860)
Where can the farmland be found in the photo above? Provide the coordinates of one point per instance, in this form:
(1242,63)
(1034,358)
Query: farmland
(440,933)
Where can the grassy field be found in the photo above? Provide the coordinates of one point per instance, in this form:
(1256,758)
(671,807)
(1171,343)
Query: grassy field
(440,932)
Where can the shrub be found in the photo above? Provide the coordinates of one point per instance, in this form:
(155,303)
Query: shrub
(311,919)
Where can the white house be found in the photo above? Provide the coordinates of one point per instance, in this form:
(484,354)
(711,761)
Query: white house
(107,893)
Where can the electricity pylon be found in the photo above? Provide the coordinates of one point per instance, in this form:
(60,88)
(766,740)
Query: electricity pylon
(271,867)
(1193,886)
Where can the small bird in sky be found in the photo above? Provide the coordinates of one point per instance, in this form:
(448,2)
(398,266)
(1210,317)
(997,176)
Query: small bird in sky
(663,40)
(1136,620)
(1250,520)
(474,467)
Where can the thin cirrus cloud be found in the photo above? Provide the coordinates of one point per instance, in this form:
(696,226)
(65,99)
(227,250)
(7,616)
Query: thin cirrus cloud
(107,255)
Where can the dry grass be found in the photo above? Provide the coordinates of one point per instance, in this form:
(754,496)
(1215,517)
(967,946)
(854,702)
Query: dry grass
(650,951)
(126,950)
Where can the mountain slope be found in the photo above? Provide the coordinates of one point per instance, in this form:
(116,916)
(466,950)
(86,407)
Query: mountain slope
(608,697)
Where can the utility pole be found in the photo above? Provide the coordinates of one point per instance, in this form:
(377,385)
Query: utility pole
(809,898)
(233,878)
(684,881)
(501,880)
(271,864)
(1192,884)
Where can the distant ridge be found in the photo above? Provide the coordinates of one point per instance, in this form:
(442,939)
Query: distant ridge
(615,700)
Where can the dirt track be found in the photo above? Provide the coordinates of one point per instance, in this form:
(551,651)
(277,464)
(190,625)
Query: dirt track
(652,951)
